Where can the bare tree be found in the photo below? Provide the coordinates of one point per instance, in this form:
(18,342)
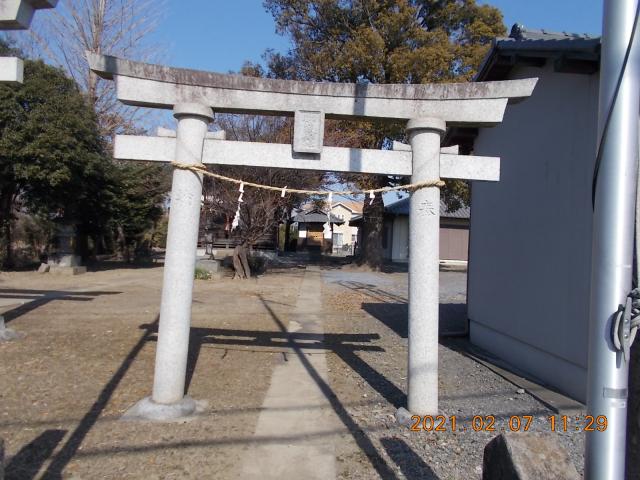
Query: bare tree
(113,27)
(261,211)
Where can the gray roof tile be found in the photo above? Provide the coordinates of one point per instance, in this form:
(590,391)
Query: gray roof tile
(315,216)
(540,43)
(520,32)
(401,207)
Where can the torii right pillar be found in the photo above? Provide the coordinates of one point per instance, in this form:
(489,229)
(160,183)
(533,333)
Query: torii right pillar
(425,135)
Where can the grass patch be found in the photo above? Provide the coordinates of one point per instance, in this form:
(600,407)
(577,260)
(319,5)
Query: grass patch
(202,274)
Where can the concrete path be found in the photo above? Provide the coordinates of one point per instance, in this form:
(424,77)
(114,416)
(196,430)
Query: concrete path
(293,434)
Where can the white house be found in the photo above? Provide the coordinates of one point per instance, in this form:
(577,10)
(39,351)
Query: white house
(345,236)
(530,242)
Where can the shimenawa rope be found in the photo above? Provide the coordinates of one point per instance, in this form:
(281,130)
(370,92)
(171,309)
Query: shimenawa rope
(411,187)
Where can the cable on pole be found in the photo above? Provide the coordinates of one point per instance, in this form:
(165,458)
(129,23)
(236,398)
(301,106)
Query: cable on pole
(614,100)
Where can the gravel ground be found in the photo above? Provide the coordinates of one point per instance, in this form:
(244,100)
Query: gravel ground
(89,350)
(373,384)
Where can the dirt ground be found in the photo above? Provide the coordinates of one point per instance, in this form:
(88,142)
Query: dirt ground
(88,355)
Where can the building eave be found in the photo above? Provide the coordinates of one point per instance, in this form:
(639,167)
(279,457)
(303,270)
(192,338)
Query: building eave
(571,53)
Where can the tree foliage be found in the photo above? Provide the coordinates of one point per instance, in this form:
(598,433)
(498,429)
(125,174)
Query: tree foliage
(54,163)
(139,194)
(113,27)
(51,154)
(382,41)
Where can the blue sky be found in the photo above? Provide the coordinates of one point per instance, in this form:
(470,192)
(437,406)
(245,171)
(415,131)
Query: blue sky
(575,16)
(220,35)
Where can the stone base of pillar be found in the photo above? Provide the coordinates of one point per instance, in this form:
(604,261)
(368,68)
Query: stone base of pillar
(70,271)
(65,260)
(66,264)
(6,334)
(147,409)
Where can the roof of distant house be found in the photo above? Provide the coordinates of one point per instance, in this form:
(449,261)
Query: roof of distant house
(571,52)
(401,207)
(315,216)
(354,206)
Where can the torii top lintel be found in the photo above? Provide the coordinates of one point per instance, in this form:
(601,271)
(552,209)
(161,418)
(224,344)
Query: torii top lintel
(157,86)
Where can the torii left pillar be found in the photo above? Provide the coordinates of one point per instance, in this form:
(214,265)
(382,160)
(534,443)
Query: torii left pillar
(168,400)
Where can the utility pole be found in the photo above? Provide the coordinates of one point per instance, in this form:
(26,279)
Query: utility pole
(613,238)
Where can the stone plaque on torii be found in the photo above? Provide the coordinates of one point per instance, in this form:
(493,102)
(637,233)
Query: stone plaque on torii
(195,95)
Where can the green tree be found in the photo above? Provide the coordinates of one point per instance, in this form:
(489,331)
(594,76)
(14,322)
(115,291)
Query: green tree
(51,155)
(382,41)
(137,206)
(55,163)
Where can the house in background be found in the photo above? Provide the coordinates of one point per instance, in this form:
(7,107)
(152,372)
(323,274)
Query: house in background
(313,235)
(454,232)
(530,245)
(345,236)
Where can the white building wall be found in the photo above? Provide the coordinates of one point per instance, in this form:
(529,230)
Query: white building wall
(400,239)
(347,231)
(530,245)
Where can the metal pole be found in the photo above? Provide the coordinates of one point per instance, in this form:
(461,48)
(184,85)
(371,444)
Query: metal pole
(613,231)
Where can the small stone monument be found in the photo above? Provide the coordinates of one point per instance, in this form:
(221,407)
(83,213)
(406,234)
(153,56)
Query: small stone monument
(526,456)
(63,260)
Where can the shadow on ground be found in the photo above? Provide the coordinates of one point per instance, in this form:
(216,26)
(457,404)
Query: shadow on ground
(452,319)
(345,346)
(27,462)
(71,446)
(30,459)
(362,440)
(38,298)
(392,311)
(410,463)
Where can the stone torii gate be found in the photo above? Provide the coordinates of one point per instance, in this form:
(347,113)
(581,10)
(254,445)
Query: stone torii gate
(195,95)
(17,15)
